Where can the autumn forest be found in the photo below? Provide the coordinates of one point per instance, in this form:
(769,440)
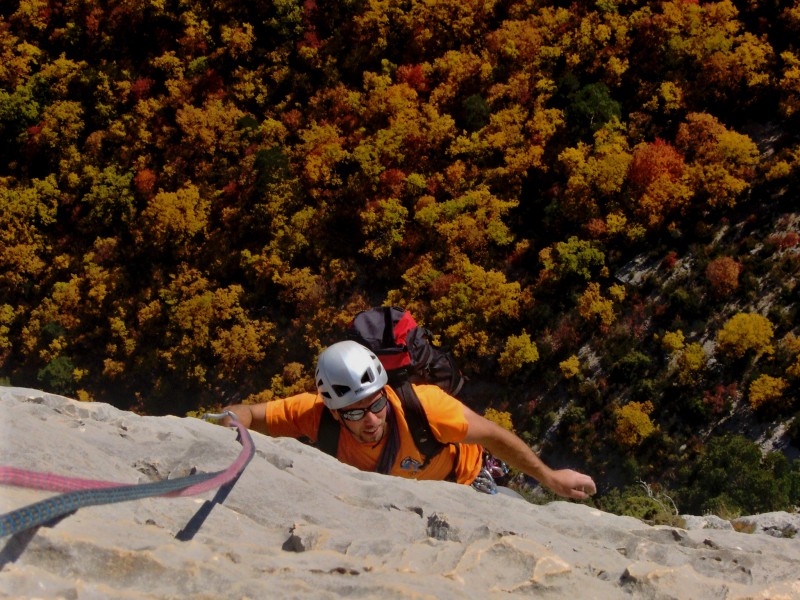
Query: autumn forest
(593,204)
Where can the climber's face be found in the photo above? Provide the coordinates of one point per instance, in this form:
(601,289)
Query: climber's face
(366,419)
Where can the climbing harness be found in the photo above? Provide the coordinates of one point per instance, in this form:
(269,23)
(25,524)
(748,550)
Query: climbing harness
(88,492)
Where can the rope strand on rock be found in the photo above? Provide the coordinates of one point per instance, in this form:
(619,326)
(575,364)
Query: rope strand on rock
(89,492)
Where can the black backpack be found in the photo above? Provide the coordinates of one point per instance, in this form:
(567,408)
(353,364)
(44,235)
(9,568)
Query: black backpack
(409,356)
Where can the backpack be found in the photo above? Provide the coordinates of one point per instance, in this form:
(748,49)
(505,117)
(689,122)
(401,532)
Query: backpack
(405,349)
(409,356)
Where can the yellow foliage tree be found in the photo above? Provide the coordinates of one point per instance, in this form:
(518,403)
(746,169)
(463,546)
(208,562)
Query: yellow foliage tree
(691,364)
(595,173)
(672,341)
(384,226)
(634,423)
(211,129)
(791,345)
(322,147)
(516,133)
(520,350)
(793,370)
(570,367)
(472,222)
(62,124)
(790,83)
(467,302)
(7,315)
(746,332)
(593,306)
(617,292)
(208,326)
(599,43)
(173,218)
(765,390)
(710,35)
(616,223)
(24,213)
(450,70)
(502,418)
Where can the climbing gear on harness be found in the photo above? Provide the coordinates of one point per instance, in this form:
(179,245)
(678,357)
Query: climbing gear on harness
(347,372)
(87,492)
(493,472)
(484,482)
(497,469)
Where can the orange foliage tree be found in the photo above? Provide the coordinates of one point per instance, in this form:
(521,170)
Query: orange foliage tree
(723,275)
(656,178)
(720,162)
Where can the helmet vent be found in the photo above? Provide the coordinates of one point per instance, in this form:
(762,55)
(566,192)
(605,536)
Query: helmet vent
(367,376)
(341,390)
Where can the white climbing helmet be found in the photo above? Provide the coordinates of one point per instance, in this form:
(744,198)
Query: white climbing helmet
(347,372)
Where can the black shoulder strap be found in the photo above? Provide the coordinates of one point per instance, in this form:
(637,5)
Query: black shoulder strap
(328,433)
(427,444)
(417,421)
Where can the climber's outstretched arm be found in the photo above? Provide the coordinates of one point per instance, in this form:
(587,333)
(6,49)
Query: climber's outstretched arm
(516,453)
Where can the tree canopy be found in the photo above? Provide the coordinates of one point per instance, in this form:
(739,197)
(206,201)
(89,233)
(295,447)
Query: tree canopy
(196,198)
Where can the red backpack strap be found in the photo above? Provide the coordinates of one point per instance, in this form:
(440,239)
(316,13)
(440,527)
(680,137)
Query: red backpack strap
(383,329)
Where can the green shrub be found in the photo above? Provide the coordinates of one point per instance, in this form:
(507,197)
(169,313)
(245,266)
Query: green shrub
(731,477)
(643,503)
(58,376)
(631,367)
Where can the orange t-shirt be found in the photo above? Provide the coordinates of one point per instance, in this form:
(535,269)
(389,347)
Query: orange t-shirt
(299,416)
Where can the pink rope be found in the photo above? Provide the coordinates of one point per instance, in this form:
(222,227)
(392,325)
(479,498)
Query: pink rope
(49,481)
(58,483)
(233,471)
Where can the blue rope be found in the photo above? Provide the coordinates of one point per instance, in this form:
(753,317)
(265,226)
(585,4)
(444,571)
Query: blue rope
(47,510)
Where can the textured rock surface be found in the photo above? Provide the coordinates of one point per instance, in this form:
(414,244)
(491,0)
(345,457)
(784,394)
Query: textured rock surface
(298,524)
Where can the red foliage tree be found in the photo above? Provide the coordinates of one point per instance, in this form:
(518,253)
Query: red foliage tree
(651,161)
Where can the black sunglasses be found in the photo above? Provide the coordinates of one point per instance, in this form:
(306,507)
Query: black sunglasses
(356,414)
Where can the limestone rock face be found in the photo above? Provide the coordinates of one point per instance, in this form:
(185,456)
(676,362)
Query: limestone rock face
(299,524)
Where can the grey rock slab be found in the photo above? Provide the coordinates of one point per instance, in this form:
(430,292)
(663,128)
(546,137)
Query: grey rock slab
(299,524)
